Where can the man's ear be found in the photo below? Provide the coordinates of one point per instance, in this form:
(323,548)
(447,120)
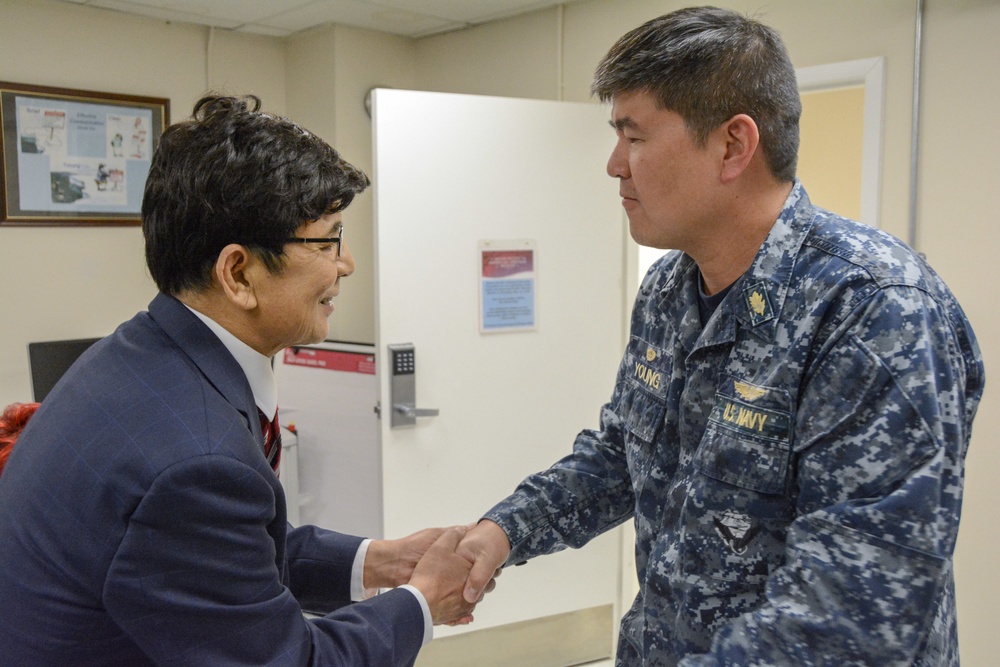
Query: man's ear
(742,139)
(233,272)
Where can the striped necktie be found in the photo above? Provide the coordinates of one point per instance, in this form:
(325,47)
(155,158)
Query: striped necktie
(272,439)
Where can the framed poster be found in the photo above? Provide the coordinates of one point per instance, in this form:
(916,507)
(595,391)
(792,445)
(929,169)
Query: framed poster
(507,285)
(75,157)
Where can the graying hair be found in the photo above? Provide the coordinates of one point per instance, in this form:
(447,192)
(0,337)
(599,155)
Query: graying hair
(709,64)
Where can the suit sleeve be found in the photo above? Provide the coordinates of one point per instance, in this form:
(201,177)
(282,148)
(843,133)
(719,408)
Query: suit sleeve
(194,581)
(881,435)
(320,566)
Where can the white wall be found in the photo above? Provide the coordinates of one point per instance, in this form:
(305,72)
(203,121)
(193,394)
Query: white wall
(959,197)
(517,57)
(78,282)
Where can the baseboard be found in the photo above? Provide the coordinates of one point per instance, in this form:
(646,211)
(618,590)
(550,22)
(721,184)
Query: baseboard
(573,638)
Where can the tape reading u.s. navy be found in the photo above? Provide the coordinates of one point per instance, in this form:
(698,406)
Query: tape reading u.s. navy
(752,420)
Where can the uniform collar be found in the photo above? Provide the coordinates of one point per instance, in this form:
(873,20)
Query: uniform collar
(757,297)
(762,290)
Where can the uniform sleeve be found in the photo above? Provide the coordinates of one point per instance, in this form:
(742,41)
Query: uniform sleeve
(194,581)
(882,429)
(589,491)
(581,496)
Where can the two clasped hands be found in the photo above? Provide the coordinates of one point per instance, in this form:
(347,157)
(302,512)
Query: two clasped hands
(453,567)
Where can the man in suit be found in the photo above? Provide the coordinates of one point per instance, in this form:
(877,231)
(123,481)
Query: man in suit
(141,519)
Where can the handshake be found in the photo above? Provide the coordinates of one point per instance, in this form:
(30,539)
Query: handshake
(453,567)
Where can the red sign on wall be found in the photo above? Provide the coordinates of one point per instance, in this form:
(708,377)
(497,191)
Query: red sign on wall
(331,360)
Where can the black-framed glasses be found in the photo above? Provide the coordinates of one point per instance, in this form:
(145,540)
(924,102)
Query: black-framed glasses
(331,240)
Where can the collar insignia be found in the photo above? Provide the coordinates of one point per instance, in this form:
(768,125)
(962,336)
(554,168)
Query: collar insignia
(758,303)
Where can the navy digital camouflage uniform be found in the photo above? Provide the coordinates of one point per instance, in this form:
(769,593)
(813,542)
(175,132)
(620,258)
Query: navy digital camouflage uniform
(794,467)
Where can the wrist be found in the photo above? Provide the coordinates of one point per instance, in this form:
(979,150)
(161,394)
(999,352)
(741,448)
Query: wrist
(495,536)
(381,569)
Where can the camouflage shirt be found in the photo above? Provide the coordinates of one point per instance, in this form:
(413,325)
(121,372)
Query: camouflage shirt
(794,468)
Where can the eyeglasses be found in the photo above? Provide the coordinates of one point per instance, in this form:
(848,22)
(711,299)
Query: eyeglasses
(330,241)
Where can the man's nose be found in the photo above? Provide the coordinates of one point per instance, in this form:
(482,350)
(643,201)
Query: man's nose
(618,161)
(345,260)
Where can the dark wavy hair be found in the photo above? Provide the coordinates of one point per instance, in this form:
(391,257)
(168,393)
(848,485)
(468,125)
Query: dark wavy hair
(13,420)
(709,64)
(234,174)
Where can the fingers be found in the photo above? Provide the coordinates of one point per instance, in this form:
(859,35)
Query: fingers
(412,547)
(424,538)
(441,575)
(458,568)
(492,583)
(486,546)
(479,577)
(450,538)
(390,563)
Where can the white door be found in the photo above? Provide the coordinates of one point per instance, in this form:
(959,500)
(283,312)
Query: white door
(453,171)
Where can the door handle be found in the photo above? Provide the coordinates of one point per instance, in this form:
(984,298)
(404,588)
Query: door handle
(403,387)
(410,411)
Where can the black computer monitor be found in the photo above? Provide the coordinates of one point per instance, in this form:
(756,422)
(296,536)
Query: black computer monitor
(49,360)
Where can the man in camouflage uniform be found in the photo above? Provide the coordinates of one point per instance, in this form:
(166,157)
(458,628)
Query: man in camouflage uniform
(790,420)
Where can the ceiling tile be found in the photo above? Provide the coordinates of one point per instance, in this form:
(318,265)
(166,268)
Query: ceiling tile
(156,12)
(357,14)
(413,18)
(469,11)
(241,11)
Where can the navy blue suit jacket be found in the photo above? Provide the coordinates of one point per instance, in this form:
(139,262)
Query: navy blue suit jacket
(140,524)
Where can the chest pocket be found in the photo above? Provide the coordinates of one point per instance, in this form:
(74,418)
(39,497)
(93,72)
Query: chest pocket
(646,373)
(747,441)
(642,406)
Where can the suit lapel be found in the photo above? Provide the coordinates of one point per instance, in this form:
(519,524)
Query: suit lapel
(208,353)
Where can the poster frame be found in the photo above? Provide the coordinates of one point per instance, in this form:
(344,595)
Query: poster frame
(59,110)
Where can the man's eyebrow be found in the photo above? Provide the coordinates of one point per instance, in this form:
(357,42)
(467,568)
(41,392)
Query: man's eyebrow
(335,228)
(623,123)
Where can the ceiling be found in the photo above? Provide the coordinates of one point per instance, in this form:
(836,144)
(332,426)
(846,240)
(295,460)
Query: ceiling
(280,18)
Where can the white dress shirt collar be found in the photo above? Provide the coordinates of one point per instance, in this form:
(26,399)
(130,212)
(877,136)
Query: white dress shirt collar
(255,365)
